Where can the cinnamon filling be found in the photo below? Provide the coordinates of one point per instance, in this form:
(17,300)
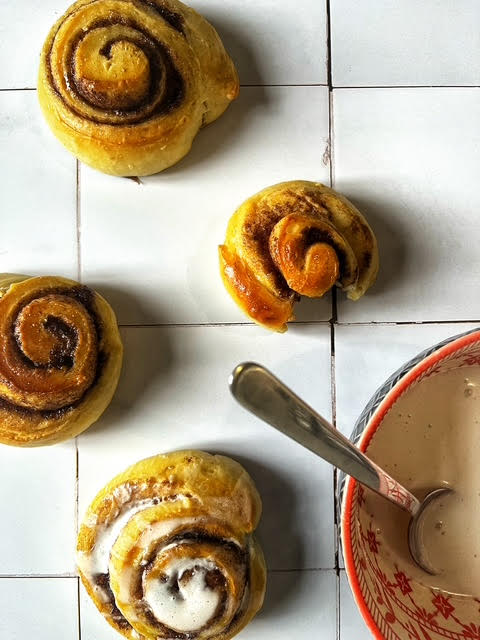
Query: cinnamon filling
(138,80)
(102,580)
(175,20)
(47,333)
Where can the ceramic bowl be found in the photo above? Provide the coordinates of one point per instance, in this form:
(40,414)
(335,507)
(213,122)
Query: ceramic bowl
(394,605)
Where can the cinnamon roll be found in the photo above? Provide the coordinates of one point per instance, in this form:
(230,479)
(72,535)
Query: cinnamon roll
(295,239)
(166,549)
(125,85)
(60,359)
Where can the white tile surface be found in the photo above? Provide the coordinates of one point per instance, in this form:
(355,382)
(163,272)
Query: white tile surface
(152,248)
(37,198)
(37,494)
(149,415)
(297,605)
(40,608)
(365,356)
(269,42)
(24,26)
(410,159)
(386,42)
(352,625)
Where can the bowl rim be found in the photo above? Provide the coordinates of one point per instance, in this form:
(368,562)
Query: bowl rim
(365,428)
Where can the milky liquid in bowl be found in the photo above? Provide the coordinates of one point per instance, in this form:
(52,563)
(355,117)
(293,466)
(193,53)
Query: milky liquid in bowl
(431,437)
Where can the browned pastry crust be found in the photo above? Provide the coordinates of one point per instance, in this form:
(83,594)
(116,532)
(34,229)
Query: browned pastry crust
(126,84)
(166,549)
(295,238)
(60,359)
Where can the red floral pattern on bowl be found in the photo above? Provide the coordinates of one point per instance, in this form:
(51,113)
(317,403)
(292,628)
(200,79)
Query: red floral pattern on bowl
(394,606)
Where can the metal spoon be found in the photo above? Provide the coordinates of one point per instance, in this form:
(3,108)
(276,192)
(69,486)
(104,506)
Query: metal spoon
(259,391)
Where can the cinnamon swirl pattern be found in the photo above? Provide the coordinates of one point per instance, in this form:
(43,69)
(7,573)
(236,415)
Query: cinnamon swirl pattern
(60,359)
(126,84)
(166,549)
(295,239)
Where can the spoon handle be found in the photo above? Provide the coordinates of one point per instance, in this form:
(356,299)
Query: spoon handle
(259,391)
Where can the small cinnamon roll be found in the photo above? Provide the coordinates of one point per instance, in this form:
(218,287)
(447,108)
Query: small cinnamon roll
(60,359)
(166,549)
(295,239)
(125,85)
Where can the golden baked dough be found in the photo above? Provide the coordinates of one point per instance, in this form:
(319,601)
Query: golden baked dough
(60,359)
(125,85)
(166,549)
(295,238)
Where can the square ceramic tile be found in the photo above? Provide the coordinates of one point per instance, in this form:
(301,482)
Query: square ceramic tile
(298,604)
(40,608)
(270,43)
(405,43)
(37,199)
(366,356)
(24,26)
(37,494)
(409,159)
(352,625)
(173,394)
(152,248)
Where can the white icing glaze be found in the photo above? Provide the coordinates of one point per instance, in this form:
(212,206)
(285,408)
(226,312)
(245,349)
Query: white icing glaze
(151,534)
(186,607)
(192,606)
(97,561)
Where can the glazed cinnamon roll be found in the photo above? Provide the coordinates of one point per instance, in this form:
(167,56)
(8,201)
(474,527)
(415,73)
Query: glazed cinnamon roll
(166,549)
(60,359)
(295,239)
(126,84)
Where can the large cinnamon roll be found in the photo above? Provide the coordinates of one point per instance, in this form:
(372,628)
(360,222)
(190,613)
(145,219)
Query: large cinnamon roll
(60,359)
(295,239)
(126,84)
(166,549)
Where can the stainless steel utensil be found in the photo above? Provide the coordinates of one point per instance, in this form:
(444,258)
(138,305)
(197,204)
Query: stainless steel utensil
(259,391)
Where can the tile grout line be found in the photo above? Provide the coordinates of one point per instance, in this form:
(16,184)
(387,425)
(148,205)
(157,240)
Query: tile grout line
(338,620)
(334,315)
(79,619)
(77,467)
(307,323)
(329,43)
(285,84)
(215,324)
(402,323)
(75,576)
(77,492)
(331,137)
(78,220)
(329,81)
(40,576)
(323,84)
(247,86)
(407,86)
